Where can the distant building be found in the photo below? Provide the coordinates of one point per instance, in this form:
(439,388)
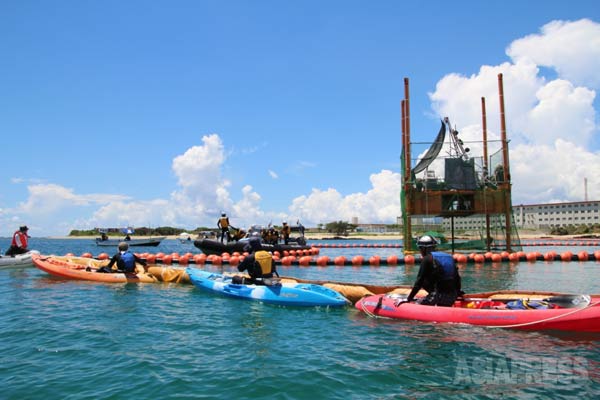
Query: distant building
(539,216)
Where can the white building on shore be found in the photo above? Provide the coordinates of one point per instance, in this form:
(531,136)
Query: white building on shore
(540,216)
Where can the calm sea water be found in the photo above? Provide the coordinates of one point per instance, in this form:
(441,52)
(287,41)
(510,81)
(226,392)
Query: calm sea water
(79,340)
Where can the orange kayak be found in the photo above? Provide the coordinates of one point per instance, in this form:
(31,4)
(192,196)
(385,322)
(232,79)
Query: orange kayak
(85,269)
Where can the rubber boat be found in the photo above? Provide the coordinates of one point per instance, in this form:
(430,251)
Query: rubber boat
(18,261)
(281,293)
(131,242)
(579,313)
(85,269)
(210,246)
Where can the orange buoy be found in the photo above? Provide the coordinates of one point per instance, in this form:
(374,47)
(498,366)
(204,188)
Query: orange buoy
(286,260)
(322,261)
(392,260)
(86,255)
(582,256)
(479,258)
(234,261)
(504,255)
(184,260)
(531,257)
(549,256)
(217,260)
(151,259)
(409,259)
(374,261)
(357,260)
(496,258)
(514,257)
(488,255)
(103,256)
(339,261)
(304,261)
(200,258)
(461,259)
(597,255)
(566,256)
(168,259)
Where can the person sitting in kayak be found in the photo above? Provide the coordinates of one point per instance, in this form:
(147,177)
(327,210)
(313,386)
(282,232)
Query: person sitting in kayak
(19,242)
(438,275)
(258,263)
(124,259)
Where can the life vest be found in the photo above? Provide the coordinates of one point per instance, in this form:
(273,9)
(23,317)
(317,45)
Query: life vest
(224,222)
(285,230)
(264,261)
(19,240)
(445,263)
(128,261)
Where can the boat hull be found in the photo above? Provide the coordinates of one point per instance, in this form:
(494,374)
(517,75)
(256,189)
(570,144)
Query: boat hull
(18,261)
(76,268)
(585,319)
(286,294)
(209,246)
(152,242)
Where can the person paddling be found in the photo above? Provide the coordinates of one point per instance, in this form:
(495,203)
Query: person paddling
(438,275)
(259,264)
(124,259)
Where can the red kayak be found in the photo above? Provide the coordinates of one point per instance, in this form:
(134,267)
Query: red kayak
(565,313)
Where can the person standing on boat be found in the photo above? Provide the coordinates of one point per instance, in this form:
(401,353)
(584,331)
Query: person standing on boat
(19,242)
(438,275)
(223,224)
(285,232)
(124,259)
(259,264)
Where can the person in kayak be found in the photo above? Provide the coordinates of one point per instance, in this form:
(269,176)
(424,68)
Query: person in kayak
(124,259)
(259,264)
(19,242)
(438,275)
(223,224)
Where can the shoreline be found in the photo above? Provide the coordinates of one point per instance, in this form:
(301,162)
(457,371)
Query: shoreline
(316,236)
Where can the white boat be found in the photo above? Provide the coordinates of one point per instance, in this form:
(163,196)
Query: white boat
(17,261)
(155,241)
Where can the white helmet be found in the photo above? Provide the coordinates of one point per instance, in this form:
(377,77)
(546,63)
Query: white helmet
(426,241)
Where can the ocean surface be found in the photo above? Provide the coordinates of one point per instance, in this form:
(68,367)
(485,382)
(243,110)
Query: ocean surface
(79,340)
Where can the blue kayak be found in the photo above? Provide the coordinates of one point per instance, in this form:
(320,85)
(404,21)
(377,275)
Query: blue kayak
(287,294)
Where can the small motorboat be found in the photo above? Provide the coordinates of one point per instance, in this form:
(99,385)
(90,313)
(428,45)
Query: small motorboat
(155,241)
(18,261)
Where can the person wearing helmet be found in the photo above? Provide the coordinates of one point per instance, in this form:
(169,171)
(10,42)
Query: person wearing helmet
(19,242)
(285,232)
(223,224)
(259,264)
(124,259)
(438,275)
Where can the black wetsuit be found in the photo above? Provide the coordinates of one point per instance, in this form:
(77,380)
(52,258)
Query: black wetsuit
(439,276)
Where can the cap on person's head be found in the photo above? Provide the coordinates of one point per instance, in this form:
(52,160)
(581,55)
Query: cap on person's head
(426,241)
(23,228)
(123,246)
(253,245)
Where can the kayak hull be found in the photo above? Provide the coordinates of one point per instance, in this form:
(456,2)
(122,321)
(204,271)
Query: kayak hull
(18,261)
(286,294)
(77,268)
(585,319)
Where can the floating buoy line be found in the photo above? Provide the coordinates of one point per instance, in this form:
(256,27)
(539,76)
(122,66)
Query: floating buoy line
(311,258)
(532,243)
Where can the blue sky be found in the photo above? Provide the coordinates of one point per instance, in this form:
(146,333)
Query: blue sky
(141,113)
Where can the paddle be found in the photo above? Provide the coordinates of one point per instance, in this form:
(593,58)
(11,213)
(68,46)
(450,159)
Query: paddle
(563,301)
